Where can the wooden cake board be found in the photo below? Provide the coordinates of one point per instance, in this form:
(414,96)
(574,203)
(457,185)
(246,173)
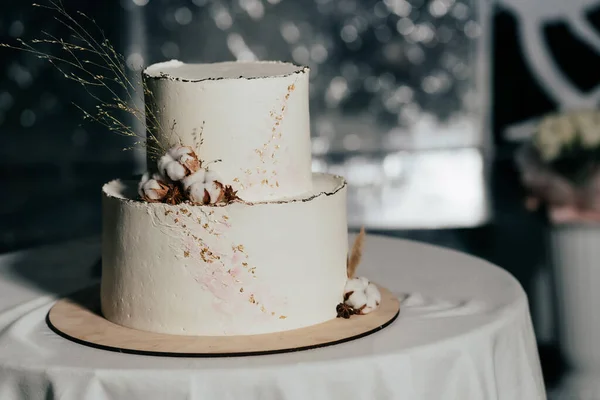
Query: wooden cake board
(78,318)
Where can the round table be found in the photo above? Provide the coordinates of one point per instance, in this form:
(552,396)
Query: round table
(464,332)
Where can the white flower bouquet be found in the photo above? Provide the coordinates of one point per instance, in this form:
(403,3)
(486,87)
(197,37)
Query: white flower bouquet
(560,166)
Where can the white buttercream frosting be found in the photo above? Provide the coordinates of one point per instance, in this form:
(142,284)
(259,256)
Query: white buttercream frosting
(235,269)
(253,117)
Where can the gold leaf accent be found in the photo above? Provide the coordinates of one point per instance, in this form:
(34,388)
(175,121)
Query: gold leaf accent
(355,253)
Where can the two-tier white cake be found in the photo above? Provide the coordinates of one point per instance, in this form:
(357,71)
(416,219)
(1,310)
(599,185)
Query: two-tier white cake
(272,257)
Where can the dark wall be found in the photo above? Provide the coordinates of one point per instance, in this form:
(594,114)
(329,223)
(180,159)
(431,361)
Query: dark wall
(52,164)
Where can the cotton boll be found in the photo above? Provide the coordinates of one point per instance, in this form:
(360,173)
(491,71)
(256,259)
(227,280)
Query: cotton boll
(197,192)
(190,162)
(357,300)
(175,171)
(197,177)
(355,285)
(159,177)
(176,152)
(186,157)
(152,190)
(362,295)
(373,298)
(144,179)
(212,176)
(163,162)
(215,191)
(179,162)
(368,308)
(373,293)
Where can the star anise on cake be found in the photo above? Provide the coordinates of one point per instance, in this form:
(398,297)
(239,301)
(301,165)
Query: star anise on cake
(229,194)
(344,311)
(175,195)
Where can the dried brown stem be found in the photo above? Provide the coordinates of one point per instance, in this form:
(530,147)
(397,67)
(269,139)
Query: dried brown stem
(355,254)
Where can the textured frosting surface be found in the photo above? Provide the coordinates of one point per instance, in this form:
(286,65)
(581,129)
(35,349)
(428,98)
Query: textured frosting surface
(177,70)
(253,117)
(238,269)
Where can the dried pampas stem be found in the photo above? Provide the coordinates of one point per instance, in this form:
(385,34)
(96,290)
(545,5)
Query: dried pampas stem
(355,253)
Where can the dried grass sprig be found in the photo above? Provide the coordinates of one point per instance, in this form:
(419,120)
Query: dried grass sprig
(94,63)
(355,254)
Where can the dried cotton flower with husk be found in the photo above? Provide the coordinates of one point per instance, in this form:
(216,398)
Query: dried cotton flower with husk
(363,296)
(181,178)
(179,162)
(153,189)
(203,187)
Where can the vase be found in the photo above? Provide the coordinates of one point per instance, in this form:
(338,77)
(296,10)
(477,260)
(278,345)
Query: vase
(575,252)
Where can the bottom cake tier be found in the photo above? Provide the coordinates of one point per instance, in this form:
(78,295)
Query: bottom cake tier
(237,269)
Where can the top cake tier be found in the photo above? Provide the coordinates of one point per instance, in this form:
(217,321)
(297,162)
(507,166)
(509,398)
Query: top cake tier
(252,116)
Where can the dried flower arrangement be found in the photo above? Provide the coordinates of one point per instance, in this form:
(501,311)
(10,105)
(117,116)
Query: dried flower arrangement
(181,177)
(360,296)
(560,166)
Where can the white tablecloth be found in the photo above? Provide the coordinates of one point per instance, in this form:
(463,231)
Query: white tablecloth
(464,333)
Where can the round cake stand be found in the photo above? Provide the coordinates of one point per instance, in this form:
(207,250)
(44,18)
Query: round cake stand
(77,318)
(464,333)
